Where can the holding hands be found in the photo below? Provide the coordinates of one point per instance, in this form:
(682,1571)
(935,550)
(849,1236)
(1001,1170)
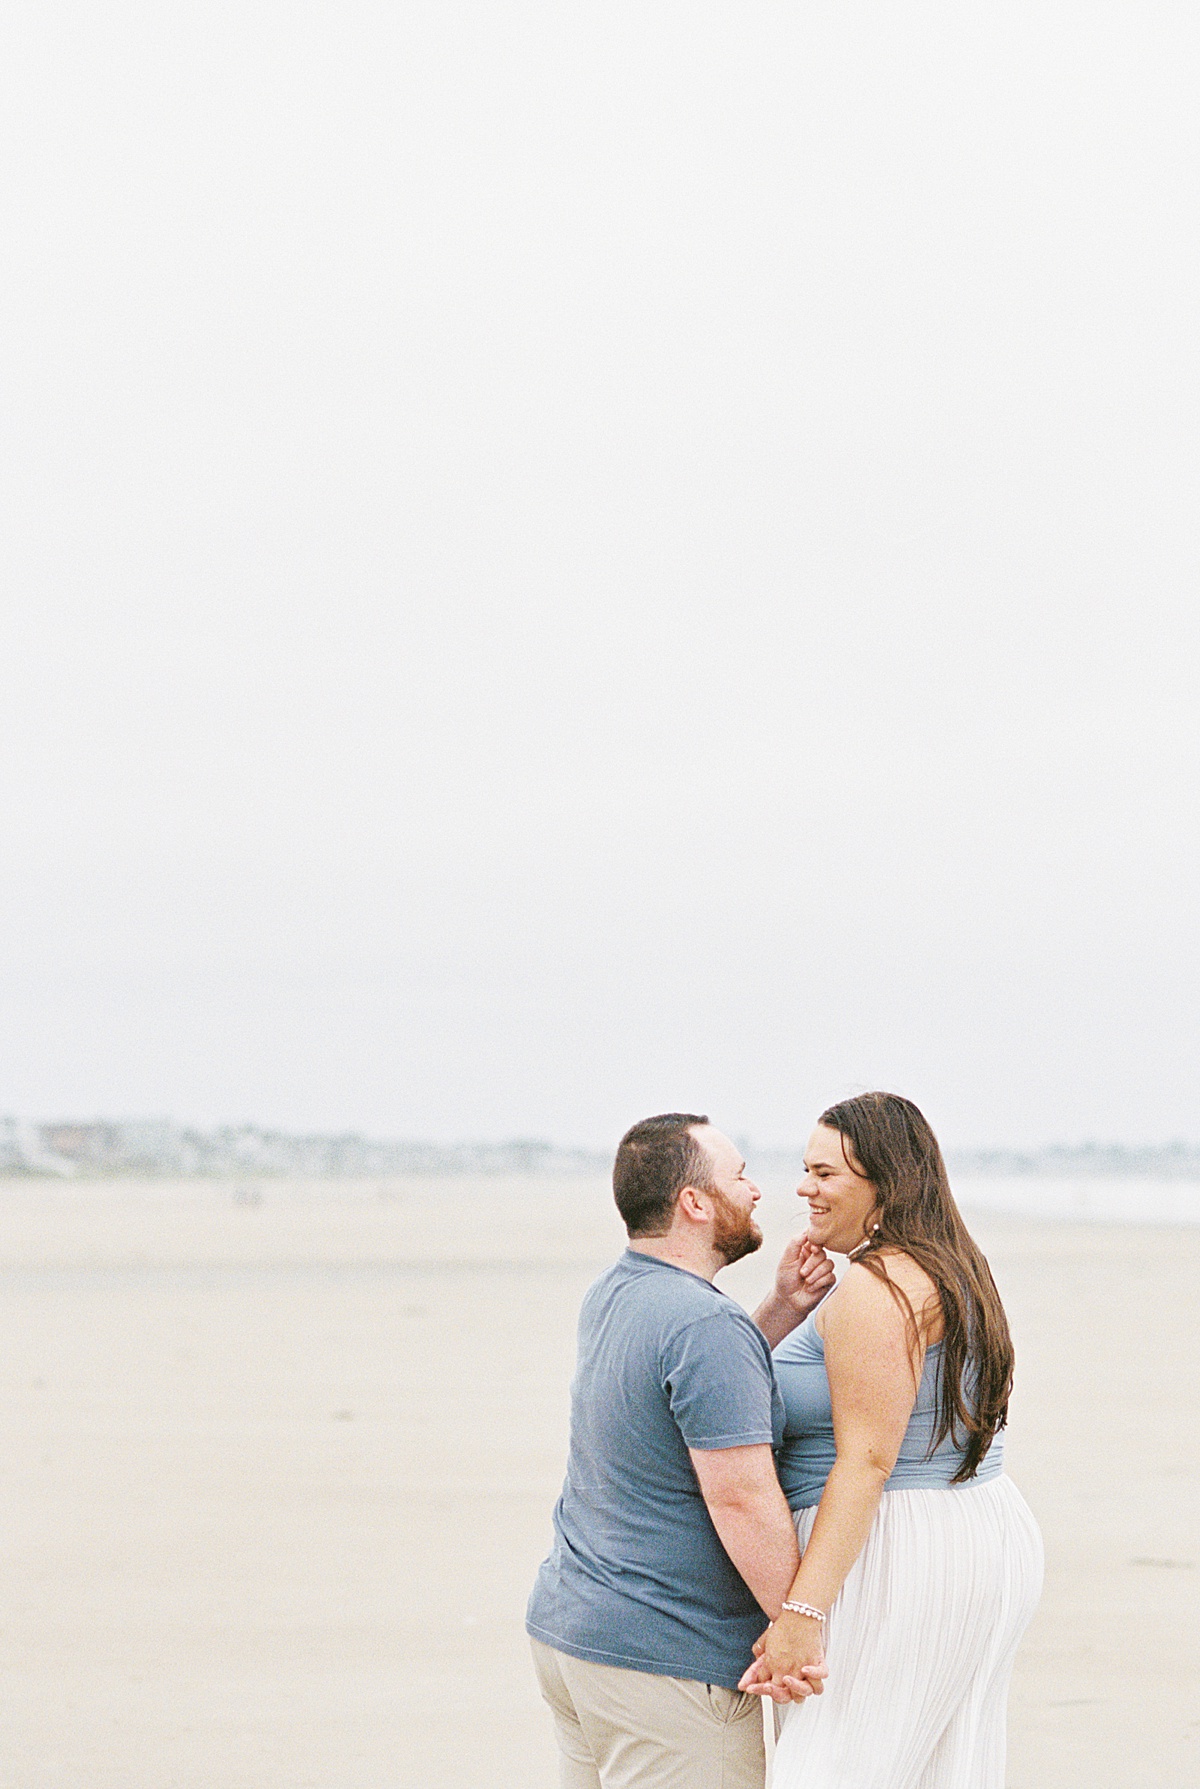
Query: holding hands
(789,1659)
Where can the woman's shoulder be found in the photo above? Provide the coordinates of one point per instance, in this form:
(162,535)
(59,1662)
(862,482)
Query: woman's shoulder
(909,1275)
(863,1290)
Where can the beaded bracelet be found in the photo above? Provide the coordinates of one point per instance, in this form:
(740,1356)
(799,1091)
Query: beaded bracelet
(805,1609)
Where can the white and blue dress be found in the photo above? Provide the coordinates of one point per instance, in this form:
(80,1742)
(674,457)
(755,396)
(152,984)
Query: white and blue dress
(922,1637)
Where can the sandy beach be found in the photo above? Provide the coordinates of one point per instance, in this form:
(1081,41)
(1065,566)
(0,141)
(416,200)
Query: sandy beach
(281,1459)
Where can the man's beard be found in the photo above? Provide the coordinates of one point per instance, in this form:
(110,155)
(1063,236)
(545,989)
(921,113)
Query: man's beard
(735,1232)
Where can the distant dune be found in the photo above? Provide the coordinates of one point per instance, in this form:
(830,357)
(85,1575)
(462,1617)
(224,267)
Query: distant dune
(70,1148)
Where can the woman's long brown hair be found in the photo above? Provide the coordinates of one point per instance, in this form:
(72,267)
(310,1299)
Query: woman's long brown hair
(887,1139)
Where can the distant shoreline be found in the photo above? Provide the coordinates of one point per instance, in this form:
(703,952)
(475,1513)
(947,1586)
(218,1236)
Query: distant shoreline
(161,1149)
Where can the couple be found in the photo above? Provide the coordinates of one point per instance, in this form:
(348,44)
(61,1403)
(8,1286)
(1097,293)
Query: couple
(834,1465)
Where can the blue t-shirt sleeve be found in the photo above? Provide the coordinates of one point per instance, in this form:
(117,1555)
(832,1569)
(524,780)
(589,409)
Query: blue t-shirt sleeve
(718,1381)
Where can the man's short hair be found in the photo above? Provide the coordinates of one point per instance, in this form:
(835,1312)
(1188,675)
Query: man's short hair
(656,1159)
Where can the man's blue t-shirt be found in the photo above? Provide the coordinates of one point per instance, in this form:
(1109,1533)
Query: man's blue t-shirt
(637,1576)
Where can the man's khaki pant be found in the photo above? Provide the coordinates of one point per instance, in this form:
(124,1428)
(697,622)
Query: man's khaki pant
(631,1730)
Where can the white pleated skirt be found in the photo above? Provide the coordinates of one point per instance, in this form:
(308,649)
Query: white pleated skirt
(920,1646)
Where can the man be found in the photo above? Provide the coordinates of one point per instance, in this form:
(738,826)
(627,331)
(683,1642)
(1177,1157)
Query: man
(672,1537)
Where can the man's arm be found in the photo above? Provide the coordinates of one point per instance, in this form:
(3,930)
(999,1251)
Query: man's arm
(803,1277)
(751,1517)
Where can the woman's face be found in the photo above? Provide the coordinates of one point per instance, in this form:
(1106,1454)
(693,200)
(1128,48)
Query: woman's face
(842,1204)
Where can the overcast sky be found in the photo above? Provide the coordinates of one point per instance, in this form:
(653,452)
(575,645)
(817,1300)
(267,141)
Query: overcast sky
(567,560)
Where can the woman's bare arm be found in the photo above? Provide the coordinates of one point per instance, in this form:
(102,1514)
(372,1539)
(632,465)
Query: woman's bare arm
(874,1370)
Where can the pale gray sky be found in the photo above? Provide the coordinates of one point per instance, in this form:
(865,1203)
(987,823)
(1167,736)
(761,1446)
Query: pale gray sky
(567,560)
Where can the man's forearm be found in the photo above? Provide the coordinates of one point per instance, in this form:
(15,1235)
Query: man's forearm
(757,1533)
(777,1317)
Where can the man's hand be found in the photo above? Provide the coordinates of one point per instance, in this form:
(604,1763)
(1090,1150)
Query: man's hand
(803,1277)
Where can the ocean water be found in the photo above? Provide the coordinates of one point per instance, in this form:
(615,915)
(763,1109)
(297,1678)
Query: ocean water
(1091,1199)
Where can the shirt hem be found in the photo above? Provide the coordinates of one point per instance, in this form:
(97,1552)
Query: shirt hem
(652,1667)
(710,1443)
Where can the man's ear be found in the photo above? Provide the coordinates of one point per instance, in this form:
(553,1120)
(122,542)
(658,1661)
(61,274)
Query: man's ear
(693,1206)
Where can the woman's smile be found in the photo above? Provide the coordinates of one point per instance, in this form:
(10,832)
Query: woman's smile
(841,1201)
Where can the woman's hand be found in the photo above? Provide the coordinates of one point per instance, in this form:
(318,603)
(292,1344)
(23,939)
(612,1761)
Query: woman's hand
(789,1662)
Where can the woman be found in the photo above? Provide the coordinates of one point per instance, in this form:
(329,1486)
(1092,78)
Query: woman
(921,1563)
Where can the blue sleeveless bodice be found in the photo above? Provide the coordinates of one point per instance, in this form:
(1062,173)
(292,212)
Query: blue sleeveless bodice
(807,1454)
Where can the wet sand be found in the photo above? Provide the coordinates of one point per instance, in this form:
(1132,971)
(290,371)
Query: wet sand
(279,1475)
